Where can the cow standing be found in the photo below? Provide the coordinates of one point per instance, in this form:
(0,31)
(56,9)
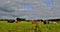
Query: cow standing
(34,22)
(17,20)
(44,21)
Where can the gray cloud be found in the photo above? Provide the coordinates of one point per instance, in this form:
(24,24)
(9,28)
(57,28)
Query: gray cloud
(14,8)
(6,9)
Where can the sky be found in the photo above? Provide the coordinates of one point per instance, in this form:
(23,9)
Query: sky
(29,9)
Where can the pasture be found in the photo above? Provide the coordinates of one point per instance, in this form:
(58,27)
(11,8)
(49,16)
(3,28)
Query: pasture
(28,27)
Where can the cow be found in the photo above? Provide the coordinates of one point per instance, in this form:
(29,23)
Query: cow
(34,22)
(17,20)
(53,22)
(44,21)
(11,21)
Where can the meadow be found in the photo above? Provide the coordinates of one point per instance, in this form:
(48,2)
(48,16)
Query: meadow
(28,27)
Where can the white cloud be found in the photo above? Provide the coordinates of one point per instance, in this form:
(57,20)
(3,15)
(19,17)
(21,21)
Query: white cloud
(8,1)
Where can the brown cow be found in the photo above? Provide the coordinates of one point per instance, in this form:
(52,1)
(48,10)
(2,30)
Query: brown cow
(34,22)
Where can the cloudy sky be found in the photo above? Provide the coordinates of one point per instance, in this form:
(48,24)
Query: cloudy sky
(29,9)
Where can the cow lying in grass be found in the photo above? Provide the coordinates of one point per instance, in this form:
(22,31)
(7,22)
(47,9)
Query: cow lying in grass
(11,21)
(49,22)
(53,22)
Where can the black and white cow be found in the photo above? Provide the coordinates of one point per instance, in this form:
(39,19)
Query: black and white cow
(11,21)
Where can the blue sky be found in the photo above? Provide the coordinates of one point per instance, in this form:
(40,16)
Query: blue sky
(29,9)
(49,3)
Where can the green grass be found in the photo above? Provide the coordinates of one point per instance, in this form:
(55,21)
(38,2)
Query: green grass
(27,27)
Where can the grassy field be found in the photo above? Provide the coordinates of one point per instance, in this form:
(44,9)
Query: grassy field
(27,27)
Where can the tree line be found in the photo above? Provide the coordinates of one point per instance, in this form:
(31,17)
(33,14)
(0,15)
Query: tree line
(23,19)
